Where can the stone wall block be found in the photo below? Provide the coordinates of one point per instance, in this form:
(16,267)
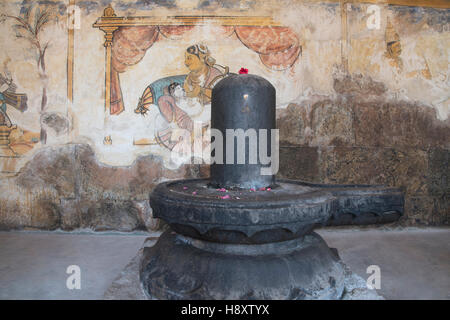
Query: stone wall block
(299,163)
(399,124)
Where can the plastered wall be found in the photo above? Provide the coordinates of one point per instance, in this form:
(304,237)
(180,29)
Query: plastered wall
(362,97)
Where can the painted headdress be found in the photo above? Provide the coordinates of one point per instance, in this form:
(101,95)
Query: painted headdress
(390,34)
(202,52)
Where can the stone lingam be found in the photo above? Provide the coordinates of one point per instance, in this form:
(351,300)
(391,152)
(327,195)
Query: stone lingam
(242,234)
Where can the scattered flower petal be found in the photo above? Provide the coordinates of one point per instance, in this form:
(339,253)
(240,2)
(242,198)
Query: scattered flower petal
(226,197)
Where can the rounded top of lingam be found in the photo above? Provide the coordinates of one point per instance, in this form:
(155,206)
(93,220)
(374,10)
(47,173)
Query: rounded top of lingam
(243,81)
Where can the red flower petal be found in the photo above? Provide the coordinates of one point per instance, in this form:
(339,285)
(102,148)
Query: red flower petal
(243,71)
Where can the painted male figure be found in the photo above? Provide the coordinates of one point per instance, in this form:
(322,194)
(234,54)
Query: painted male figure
(8,96)
(4,119)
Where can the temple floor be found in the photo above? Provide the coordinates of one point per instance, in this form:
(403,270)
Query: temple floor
(414,262)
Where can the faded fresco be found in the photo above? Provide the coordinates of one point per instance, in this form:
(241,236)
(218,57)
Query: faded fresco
(93,95)
(409,52)
(17,138)
(180,100)
(180,96)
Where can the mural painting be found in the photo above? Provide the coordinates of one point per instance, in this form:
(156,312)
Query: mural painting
(29,26)
(17,140)
(394,50)
(183,100)
(9,98)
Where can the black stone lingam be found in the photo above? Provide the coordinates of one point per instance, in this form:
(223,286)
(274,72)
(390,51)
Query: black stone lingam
(243,102)
(243,235)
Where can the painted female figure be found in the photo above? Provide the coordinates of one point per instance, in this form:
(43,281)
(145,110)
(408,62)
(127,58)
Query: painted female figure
(180,97)
(203,75)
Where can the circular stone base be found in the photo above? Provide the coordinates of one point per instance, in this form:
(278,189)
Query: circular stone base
(287,210)
(179,267)
(284,212)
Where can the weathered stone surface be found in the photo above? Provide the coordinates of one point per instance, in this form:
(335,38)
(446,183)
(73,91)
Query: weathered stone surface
(326,122)
(45,214)
(112,215)
(403,168)
(132,182)
(301,269)
(12,215)
(438,172)
(299,163)
(146,215)
(358,87)
(66,187)
(331,124)
(127,286)
(54,168)
(363,137)
(406,168)
(292,122)
(106,214)
(396,144)
(399,124)
(442,210)
(419,210)
(70,213)
(362,115)
(426,210)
